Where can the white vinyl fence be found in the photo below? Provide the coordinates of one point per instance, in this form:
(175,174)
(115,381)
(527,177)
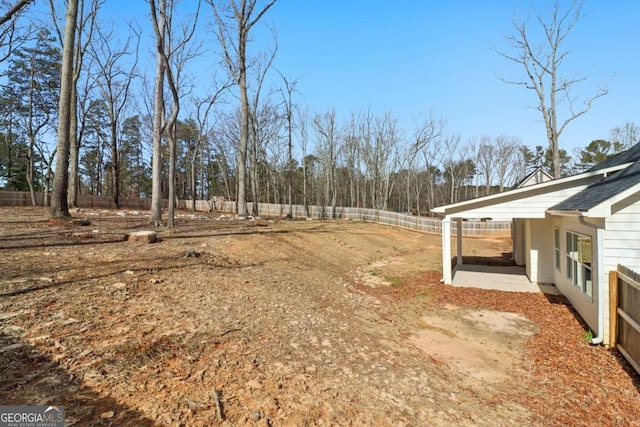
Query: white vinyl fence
(411,222)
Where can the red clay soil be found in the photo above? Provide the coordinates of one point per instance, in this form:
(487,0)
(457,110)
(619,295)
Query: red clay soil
(293,323)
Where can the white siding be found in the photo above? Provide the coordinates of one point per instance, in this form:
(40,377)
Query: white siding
(622,235)
(621,241)
(534,206)
(585,306)
(519,240)
(539,250)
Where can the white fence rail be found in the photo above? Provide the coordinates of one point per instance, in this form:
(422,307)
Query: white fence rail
(411,222)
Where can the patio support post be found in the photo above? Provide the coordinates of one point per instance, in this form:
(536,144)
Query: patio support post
(459,240)
(447,276)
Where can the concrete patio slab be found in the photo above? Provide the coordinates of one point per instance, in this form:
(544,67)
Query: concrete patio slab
(507,279)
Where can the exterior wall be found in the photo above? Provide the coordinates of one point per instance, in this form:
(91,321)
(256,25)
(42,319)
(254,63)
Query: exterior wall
(533,206)
(622,235)
(621,241)
(585,306)
(539,250)
(536,177)
(519,241)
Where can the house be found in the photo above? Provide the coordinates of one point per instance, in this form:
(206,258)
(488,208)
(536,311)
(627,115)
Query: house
(536,176)
(569,232)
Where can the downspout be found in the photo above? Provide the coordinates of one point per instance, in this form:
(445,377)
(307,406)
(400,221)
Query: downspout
(599,241)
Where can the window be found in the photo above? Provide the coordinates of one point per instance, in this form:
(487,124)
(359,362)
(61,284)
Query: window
(556,243)
(579,262)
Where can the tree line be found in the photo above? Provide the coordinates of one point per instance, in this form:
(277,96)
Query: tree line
(90,120)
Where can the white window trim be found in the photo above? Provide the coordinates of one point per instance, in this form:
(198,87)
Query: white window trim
(575,267)
(557,250)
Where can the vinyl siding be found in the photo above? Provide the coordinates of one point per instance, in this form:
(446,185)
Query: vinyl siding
(622,235)
(539,250)
(534,206)
(585,306)
(621,241)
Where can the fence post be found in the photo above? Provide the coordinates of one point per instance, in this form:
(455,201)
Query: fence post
(613,307)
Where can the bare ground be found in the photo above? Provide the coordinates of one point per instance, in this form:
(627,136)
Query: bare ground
(235,322)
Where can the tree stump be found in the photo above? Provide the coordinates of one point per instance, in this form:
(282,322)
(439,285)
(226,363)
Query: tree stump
(143,237)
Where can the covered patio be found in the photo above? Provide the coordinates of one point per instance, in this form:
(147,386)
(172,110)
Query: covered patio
(500,278)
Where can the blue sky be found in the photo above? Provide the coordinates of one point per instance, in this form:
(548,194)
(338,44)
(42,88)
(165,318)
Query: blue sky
(412,57)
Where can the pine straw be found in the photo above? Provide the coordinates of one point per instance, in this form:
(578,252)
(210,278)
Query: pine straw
(570,382)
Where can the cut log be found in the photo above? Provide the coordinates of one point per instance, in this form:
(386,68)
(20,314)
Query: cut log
(143,236)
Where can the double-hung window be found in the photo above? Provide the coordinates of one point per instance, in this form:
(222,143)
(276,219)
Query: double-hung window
(579,262)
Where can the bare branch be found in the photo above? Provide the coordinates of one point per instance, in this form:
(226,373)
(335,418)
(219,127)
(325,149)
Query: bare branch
(542,66)
(8,15)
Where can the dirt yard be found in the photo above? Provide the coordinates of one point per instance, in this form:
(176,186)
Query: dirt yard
(278,323)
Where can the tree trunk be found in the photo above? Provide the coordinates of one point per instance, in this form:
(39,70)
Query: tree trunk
(115,168)
(193,178)
(172,177)
(156,166)
(59,207)
(31,172)
(241,207)
(74,154)
(74,138)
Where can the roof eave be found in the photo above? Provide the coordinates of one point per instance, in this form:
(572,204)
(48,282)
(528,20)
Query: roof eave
(443,209)
(559,212)
(604,209)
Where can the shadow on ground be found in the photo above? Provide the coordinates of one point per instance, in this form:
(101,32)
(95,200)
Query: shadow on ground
(30,377)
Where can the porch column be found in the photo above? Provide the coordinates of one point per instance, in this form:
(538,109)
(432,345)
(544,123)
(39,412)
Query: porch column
(459,236)
(446,251)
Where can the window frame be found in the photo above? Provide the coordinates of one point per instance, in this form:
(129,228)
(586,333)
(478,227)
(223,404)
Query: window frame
(557,251)
(579,271)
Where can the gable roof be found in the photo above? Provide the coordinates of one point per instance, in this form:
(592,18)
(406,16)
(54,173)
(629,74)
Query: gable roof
(601,191)
(501,205)
(593,190)
(536,176)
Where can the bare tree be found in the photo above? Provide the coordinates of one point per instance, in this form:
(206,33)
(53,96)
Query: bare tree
(542,65)
(326,130)
(260,123)
(289,88)
(380,145)
(303,126)
(485,162)
(158,114)
(453,161)
(114,81)
(351,151)
(234,22)
(174,51)
(202,114)
(426,132)
(507,156)
(225,140)
(59,207)
(625,136)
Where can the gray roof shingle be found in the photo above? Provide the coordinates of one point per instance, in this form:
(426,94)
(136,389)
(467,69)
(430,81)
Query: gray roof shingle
(629,156)
(602,190)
